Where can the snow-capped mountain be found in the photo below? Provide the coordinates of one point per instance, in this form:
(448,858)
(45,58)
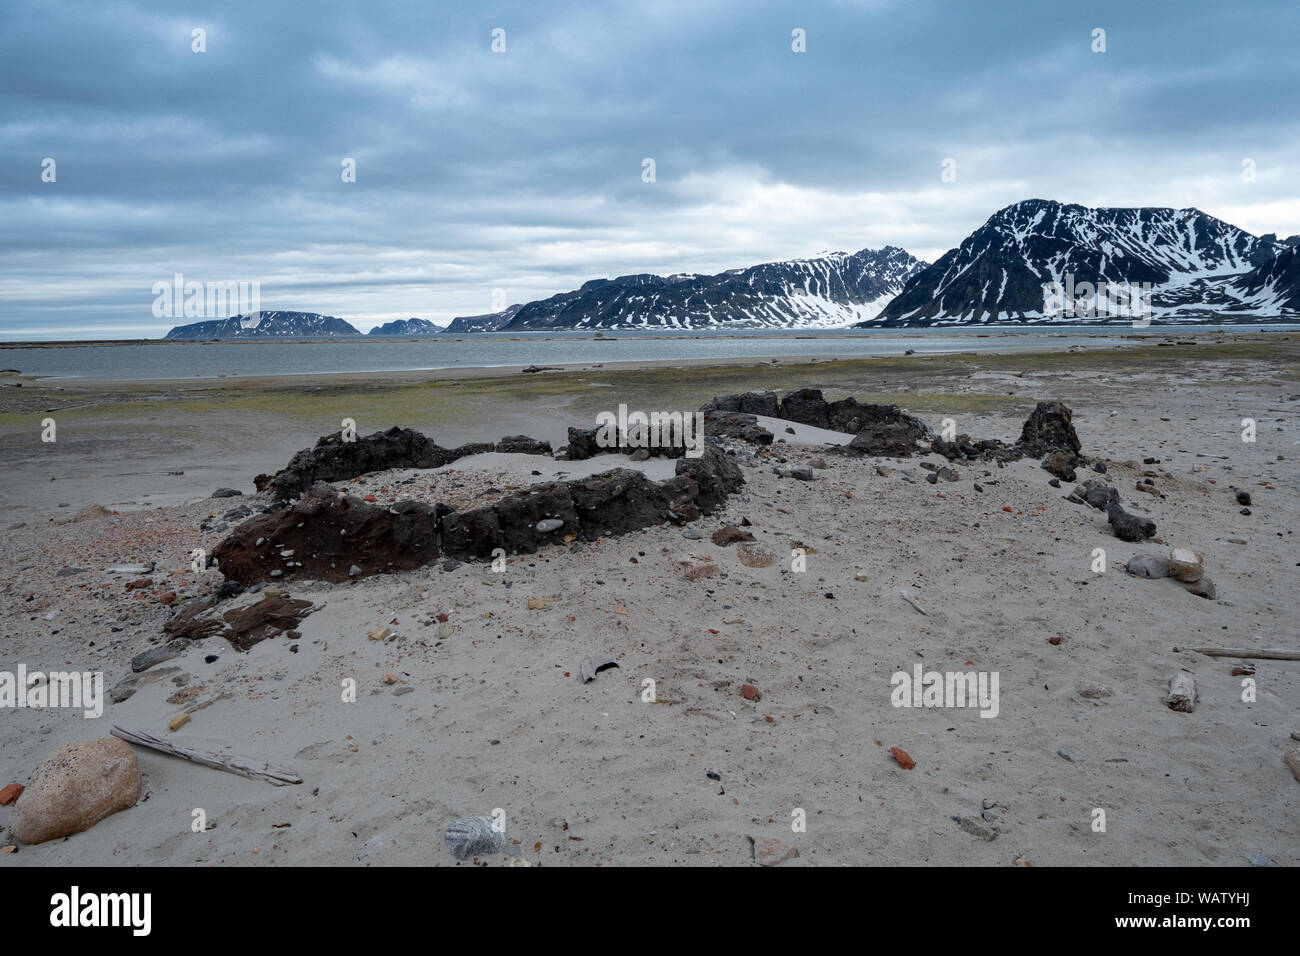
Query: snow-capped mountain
(998,273)
(832,290)
(266,325)
(406,327)
(488,322)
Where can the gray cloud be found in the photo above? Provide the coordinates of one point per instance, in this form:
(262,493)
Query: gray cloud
(522,170)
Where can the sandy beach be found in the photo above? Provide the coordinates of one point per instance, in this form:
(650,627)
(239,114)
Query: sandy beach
(486,709)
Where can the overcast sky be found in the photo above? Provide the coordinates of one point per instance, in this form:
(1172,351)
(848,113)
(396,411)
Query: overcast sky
(522,170)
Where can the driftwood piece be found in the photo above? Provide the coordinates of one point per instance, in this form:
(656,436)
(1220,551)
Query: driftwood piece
(1182,693)
(912,601)
(1262,655)
(243,766)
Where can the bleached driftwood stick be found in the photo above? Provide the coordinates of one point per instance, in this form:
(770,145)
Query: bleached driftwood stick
(1182,693)
(1257,655)
(245,767)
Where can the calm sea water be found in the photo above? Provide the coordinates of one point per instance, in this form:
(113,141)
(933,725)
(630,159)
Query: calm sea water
(156,362)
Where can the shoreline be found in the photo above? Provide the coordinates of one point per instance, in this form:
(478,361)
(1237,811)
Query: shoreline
(406,376)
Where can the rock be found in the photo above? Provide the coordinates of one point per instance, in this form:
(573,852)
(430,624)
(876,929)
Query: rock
(1128,527)
(805,406)
(333,459)
(1061,464)
(1093,691)
(379,633)
(692,534)
(1095,493)
(523,445)
(228,589)
(697,569)
(547,525)
(888,439)
(473,836)
(751,403)
(641,454)
(756,555)
(750,692)
(1186,565)
(90,512)
(1049,428)
(1292,760)
(139,583)
(10,793)
(177,722)
(328,534)
(819,463)
(226,493)
(471,448)
(126,687)
(76,786)
(1243,498)
(1055,482)
(769,851)
(156,655)
(735,425)
(884,471)
(730,534)
(977,828)
(904,759)
(802,472)
(1148,566)
(1203,588)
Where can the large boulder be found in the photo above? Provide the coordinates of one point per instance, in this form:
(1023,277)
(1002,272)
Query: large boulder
(805,406)
(618,501)
(583,444)
(714,476)
(886,441)
(472,535)
(750,403)
(520,514)
(738,425)
(1049,427)
(851,416)
(75,787)
(333,459)
(325,535)
(523,445)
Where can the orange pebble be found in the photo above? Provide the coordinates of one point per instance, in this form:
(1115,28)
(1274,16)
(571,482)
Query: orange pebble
(904,761)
